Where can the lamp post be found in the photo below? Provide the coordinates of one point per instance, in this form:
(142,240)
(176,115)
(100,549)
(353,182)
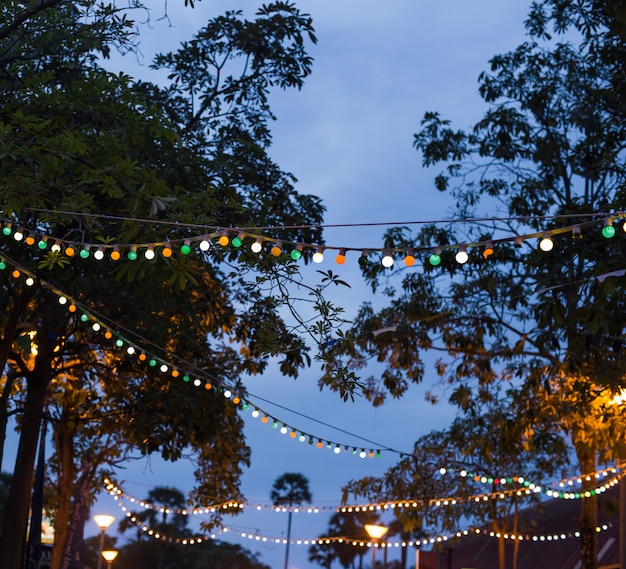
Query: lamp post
(103,521)
(109,555)
(375,532)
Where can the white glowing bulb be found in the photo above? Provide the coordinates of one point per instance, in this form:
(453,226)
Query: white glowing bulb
(387,260)
(99,254)
(461,256)
(204,245)
(546,243)
(19,234)
(149,254)
(318,256)
(257,246)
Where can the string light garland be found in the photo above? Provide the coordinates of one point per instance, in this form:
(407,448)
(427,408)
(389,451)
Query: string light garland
(432,540)
(235,238)
(188,373)
(527,488)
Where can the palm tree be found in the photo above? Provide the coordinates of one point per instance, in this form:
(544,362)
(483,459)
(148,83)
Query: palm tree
(289,490)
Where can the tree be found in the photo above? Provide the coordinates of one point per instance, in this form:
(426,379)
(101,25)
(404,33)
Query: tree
(166,520)
(288,490)
(349,527)
(548,157)
(96,163)
(486,451)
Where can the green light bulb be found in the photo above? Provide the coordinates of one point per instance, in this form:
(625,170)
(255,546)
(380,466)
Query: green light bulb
(185,249)
(6,230)
(132,255)
(42,244)
(186,378)
(608,231)
(237,242)
(296,254)
(363,260)
(152,363)
(3,265)
(84,318)
(84,253)
(434,259)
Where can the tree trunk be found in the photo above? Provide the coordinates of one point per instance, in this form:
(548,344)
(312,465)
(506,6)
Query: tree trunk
(64,442)
(13,539)
(516,542)
(5,349)
(588,512)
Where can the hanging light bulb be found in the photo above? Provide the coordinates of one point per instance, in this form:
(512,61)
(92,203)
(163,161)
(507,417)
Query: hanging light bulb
(84,252)
(99,254)
(132,253)
(576,232)
(7,229)
(19,234)
(517,242)
(115,254)
(387,259)
(435,257)
(205,244)
(318,256)
(150,254)
(257,246)
(488,251)
(608,230)
(224,240)
(42,243)
(340,259)
(167,250)
(297,252)
(185,248)
(70,251)
(363,258)
(238,240)
(546,244)
(409,258)
(461,256)
(276,250)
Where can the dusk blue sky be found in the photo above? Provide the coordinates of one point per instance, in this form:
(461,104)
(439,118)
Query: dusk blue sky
(347,136)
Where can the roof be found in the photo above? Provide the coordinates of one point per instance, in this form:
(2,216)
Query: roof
(554,524)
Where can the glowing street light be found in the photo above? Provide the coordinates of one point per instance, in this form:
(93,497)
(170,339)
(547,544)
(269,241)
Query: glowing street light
(109,555)
(375,532)
(103,521)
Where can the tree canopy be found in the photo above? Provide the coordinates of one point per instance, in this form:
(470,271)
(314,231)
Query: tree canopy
(110,187)
(521,288)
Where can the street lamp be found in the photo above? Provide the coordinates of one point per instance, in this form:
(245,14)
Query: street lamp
(109,555)
(103,521)
(375,532)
